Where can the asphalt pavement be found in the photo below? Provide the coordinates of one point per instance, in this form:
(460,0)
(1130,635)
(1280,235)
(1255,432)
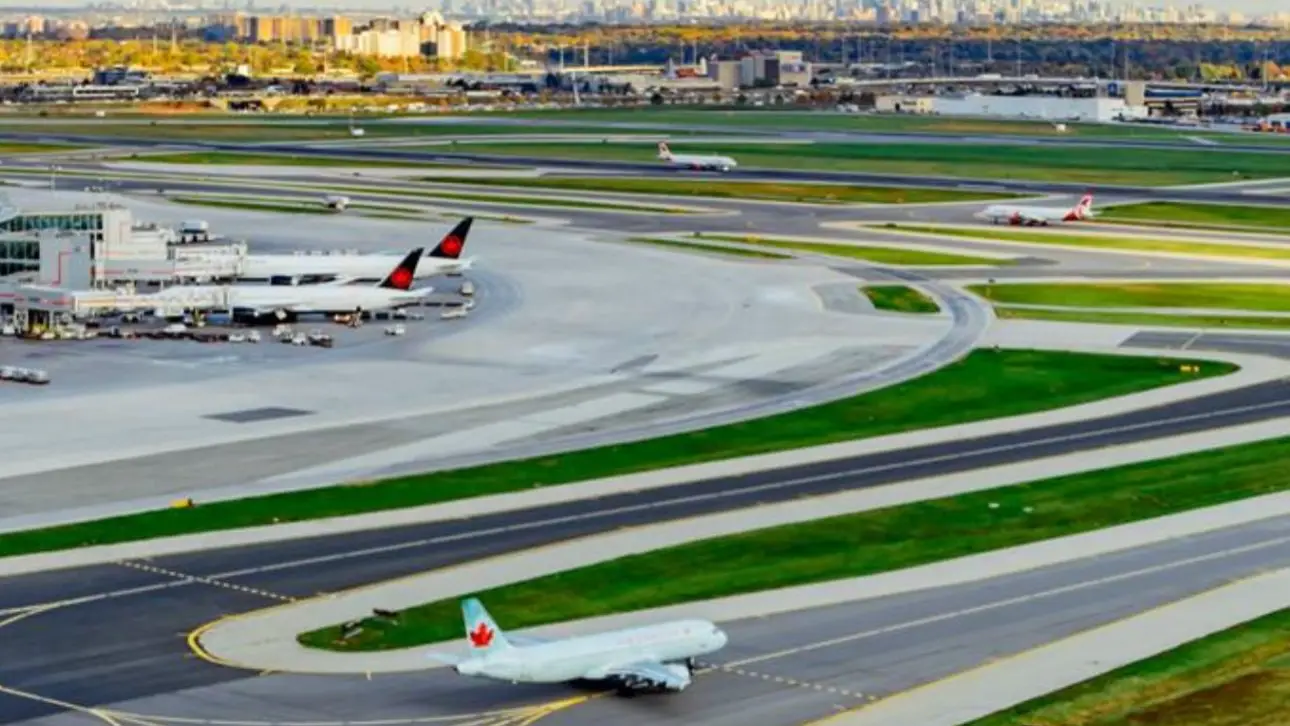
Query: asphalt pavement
(127,640)
(785,669)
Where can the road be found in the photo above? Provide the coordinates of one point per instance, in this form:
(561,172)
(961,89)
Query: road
(130,643)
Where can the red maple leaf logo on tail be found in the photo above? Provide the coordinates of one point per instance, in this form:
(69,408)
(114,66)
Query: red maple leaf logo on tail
(481,636)
(451,246)
(401,278)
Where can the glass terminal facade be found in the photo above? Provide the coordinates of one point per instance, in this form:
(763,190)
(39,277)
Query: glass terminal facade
(18,255)
(89,221)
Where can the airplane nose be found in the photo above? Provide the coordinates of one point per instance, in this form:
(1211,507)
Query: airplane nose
(722,638)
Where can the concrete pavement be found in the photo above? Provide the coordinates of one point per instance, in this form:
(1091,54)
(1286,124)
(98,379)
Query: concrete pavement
(1254,370)
(1003,684)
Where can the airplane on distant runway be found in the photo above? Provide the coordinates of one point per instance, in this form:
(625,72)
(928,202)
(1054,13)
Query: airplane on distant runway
(256,303)
(653,658)
(444,259)
(692,161)
(1038,216)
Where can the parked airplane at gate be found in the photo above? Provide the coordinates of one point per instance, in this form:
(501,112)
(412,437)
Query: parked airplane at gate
(1038,216)
(653,658)
(696,162)
(444,259)
(252,303)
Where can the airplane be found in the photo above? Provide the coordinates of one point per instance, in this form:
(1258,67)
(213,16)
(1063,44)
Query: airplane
(256,303)
(649,659)
(1038,216)
(444,259)
(698,163)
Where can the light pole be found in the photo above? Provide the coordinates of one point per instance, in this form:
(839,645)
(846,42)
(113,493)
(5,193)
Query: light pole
(53,177)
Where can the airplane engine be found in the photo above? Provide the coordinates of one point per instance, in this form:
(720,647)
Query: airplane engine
(682,672)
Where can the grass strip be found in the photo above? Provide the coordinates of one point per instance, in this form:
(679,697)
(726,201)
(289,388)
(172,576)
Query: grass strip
(899,298)
(764,119)
(222,158)
(718,249)
(511,199)
(994,162)
(285,207)
(1236,322)
(1236,677)
(35,148)
(983,385)
(770,191)
(880,255)
(1105,242)
(1219,216)
(853,545)
(1227,296)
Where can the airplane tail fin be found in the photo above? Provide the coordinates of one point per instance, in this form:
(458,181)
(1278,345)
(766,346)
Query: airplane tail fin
(482,633)
(452,245)
(663,151)
(1085,205)
(400,278)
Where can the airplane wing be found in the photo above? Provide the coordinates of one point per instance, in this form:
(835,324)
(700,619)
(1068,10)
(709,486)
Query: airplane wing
(644,674)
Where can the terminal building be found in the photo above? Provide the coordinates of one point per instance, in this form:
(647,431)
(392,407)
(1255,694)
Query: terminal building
(63,264)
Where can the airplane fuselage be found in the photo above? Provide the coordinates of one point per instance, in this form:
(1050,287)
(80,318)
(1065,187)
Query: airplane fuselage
(703,163)
(326,299)
(672,644)
(357,267)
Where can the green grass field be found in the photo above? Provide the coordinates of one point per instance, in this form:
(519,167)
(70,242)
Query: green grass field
(984,385)
(1238,677)
(1265,297)
(250,205)
(34,148)
(1217,216)
(899,299)
(221,158)
(1235,322)
(714,249)
(851,545)
(769,191)
(773,120)
(511,199)
(1148,167)
(879,255)
(1103,241)
(295,129)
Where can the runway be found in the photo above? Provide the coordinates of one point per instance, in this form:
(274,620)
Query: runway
(786,669)
(1211,194)
(124,646)
(142,653)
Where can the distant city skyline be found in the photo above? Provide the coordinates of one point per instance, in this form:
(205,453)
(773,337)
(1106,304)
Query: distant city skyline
(1248,7)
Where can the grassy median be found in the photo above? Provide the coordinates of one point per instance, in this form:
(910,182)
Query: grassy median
(899,299)
(1102,241)
(1135,166)
(1237,677)
(222,158)
(852,545)
(880,255)
(1234,322)
(713,249)
(511,199)
(984,385)
(769,191)
(1216,216)
(1226,296)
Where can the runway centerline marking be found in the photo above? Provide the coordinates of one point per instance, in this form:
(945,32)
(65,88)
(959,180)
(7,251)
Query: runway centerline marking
(212,581)
(1074,587)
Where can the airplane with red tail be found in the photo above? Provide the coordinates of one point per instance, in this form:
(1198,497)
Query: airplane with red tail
(1038,216)
(445,258)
